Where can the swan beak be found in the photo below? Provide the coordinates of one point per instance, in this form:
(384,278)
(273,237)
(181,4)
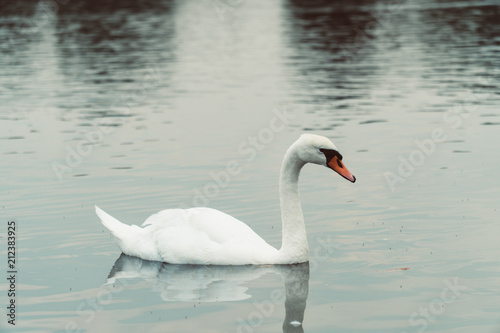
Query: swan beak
(336,165)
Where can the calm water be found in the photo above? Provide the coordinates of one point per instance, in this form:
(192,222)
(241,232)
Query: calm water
(140,106)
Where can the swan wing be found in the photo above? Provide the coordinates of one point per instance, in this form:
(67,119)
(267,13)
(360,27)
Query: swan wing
(206,236)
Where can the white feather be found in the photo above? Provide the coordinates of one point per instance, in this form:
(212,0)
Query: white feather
(207,236)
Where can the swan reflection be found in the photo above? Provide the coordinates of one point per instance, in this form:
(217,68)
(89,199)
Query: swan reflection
(200,283)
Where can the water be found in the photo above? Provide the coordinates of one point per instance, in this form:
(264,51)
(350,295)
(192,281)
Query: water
(140,106)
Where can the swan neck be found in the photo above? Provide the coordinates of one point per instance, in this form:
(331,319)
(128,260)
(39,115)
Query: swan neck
(294,247)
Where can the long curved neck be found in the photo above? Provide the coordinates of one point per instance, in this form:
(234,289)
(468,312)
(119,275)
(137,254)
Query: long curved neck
(294,246)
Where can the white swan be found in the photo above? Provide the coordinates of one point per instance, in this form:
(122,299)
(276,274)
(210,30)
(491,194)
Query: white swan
(210,237)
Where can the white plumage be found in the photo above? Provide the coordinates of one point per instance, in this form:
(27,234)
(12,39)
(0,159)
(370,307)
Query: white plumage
(207,236)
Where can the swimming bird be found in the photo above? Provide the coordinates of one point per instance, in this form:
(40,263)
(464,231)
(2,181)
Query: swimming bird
(207,236)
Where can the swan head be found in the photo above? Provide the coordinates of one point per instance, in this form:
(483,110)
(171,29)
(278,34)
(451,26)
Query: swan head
(320,150)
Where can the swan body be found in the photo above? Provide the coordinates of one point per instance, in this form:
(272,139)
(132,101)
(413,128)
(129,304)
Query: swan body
(210,237)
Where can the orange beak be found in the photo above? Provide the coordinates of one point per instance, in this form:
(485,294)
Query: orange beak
(339,167)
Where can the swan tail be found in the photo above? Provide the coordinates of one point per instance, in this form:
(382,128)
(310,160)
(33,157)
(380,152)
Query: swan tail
(118,230)
(131,239)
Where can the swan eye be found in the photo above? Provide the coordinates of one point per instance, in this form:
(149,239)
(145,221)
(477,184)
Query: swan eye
(331,153)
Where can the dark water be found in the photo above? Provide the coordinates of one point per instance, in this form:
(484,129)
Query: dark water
(140,106)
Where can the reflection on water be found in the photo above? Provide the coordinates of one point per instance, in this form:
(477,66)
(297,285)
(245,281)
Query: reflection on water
(196,283)
(189,282)
(137,104)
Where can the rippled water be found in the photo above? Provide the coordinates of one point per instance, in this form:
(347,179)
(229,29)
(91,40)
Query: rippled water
(140,106)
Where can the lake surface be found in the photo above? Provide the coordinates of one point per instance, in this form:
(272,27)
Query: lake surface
(140,106)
